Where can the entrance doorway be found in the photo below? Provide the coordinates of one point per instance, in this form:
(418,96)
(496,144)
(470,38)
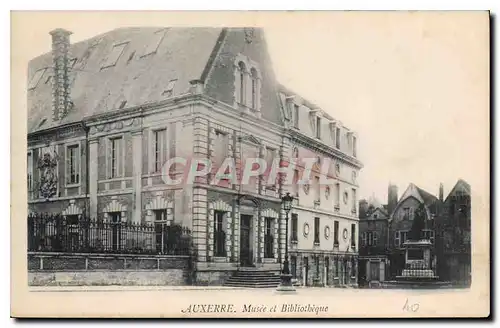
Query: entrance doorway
(375,271)
(246,256)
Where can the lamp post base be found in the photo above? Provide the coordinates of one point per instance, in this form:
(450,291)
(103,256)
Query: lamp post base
(286,283)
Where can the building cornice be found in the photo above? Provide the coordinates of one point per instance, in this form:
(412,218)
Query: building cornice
(60,131)
(312,143)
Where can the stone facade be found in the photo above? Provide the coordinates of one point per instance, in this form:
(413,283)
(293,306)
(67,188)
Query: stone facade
(234,110)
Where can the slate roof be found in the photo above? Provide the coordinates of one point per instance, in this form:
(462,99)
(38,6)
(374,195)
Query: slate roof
(460,184)
(429,200)
(182,55)
(286,92)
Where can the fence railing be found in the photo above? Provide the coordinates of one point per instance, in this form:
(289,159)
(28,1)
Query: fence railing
(56,233)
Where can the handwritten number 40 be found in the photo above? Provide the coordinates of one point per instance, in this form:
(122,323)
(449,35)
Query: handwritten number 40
(411,307)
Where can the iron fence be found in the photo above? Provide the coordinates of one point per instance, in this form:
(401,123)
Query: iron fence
(72,234)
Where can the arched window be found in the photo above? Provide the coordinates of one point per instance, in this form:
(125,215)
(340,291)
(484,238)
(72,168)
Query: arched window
(242,69)
(253,74)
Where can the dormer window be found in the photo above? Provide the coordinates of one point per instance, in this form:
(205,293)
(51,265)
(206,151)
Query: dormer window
(296,116)
(155,43)
(247,84)
(318,127)
(36,78)
(169,91)
(337,138)
(354,146)
(254,77)
(242,89)
(114,55)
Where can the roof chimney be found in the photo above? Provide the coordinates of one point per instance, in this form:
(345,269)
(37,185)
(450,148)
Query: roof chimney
(60,82)
(441,192)
(392,198)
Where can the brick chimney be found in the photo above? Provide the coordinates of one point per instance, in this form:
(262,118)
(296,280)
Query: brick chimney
(441,192)
(61,101)
(392,198)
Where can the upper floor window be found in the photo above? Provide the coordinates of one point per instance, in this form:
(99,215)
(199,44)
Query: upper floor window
(255,81)
(336,232)
(160,148)
(369,238)
(116,157)
(30,171)
(406,214)
(316,230)
(242,87)
(221,145)
(318,127)
(73,164)
(353,234)
(354,151)
(295,219)
(337,138)
(400,237)
(296,116)
(354,200)
(247,83)
(317,189)
(337,194)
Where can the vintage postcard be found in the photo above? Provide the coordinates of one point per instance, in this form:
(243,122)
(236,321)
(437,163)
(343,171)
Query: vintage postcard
(250,164)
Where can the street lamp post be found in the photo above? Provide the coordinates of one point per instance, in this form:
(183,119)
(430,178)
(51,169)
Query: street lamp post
(286,277)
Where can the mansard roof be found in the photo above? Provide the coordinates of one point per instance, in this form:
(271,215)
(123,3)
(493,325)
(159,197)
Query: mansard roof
(143,71)
(287,92)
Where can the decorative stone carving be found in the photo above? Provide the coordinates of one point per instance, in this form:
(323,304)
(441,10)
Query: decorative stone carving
(327,232)
(306,229)
(327,192)
(72,209)
(48,175)
(306,188)
(249,34)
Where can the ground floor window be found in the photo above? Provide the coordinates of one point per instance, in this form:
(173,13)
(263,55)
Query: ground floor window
(116,231)
(269,238)
(293,264)
(161,231)
(219,234)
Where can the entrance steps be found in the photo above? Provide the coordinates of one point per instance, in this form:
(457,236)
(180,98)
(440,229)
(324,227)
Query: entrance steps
(253,278)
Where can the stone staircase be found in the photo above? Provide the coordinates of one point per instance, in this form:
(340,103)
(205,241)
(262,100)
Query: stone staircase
(254,278)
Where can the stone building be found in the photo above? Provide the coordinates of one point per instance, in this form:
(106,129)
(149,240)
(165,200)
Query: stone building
(401,220)
(373,241)
(324,218)
(105,114)
(454,226)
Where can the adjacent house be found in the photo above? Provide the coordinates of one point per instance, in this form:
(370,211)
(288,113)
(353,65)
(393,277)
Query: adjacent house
(454,247)
(324,216)
(373,242)
(401,220)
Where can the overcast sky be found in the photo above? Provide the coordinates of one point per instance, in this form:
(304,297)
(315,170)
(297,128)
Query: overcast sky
(414,86)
